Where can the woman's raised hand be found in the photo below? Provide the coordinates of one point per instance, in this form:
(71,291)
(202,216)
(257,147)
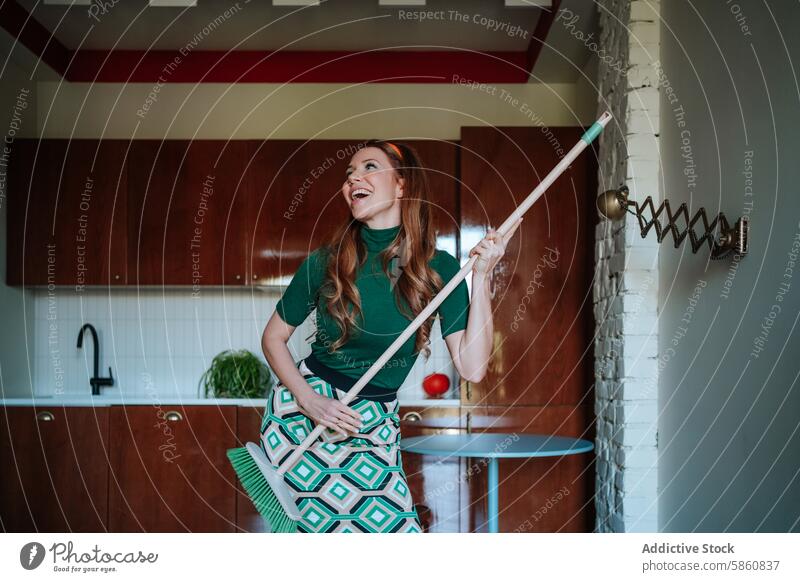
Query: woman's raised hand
(330,412)
(491,249)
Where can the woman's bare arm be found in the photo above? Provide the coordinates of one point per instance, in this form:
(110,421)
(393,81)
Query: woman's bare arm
(326,411)
(471,349)
(274,344)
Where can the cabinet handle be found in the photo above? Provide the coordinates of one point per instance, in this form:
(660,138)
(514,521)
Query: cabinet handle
(255,277)
(174,416)
(45,416)
(116,277)
(412,416)
(238,277)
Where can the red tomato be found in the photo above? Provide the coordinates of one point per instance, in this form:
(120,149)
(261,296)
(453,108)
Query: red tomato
(436,384)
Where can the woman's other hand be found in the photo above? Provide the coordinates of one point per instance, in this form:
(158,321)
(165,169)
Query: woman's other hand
(330,413)
(490,250)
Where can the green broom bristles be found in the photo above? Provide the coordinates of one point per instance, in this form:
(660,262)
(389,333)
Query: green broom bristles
(260,492)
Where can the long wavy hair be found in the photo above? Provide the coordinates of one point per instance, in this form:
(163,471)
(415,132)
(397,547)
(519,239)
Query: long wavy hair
(418,283)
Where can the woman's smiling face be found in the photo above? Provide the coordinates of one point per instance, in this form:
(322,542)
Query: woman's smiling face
(372,189)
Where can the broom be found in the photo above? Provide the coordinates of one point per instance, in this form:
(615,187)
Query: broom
(265,484)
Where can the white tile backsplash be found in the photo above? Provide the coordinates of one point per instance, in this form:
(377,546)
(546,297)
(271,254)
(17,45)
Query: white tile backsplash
(158,342)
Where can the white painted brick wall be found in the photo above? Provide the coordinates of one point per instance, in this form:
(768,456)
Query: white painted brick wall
(626,283)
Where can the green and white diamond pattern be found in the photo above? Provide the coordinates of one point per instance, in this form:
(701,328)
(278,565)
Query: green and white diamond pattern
(342,484)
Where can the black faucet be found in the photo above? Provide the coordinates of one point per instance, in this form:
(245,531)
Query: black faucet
(95,381)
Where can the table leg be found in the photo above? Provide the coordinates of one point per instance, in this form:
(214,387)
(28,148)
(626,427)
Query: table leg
(492,499)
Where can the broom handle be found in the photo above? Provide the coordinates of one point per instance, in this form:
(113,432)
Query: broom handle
(585,140)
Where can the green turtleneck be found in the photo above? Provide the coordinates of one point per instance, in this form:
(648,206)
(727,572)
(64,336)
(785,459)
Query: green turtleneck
(381,321)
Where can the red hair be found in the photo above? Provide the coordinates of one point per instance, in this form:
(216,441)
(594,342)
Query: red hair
(419,282)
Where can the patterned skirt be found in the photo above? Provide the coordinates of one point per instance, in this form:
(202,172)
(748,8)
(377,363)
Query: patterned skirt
(341,484)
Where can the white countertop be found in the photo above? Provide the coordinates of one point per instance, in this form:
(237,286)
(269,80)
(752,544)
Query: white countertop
(143,401)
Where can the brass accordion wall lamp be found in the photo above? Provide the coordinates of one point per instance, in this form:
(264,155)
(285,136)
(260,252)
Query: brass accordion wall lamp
(613,204)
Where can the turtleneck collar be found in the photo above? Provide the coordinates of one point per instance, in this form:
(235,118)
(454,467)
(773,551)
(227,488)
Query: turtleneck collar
(377,239)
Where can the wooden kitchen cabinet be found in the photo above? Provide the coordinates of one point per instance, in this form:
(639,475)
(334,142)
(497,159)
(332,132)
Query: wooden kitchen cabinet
(187,212)
(249,430)
(293,204)
(67,213)
(434,482)
(540,377)
(296,200)
(54,467)
(170,469)
(543,319)
(187,204)
(441,158)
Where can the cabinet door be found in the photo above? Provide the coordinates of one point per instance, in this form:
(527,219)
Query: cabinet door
(540,375)
(549,494)
(296,199)
(434,482)
(171,472)
(440,158)
(248,426)
(294,203)
(543,321)
(54,469)
(67,212)
(185,212)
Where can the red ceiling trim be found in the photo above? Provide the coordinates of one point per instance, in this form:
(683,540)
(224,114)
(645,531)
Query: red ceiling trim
(40,41)
(543,26)
(273,67)
(296,67)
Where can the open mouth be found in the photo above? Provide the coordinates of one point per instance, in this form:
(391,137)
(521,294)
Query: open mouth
(359,194)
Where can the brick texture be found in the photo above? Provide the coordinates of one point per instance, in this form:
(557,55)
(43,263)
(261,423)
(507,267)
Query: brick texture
(626,268)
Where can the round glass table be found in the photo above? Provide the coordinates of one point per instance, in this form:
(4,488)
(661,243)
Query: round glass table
(494,446)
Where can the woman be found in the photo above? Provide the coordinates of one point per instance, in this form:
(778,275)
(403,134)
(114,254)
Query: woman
(376,272)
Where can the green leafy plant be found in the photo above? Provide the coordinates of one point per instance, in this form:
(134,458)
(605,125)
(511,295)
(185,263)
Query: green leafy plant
(236,374)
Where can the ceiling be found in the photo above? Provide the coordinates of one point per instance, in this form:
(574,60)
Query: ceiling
(334,25)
